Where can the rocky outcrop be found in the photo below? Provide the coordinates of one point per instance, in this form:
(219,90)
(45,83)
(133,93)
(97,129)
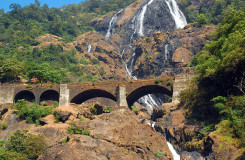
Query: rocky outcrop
(110,63)
(116,135)
(49,39)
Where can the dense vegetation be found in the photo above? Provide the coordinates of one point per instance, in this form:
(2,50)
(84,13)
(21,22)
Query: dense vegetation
(22,146)
(32,113)
(217,95)
(212,12)
(20,27)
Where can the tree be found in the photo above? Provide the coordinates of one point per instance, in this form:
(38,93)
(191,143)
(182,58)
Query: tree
(43,72)
(201,20)
(10,69)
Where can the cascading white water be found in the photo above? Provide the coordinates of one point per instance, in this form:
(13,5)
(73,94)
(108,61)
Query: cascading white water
(176,156)
(89,49)
(141,18)
(166,53)
(111,25)
(178,16)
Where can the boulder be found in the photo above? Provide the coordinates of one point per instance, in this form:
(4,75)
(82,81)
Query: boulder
(64,112)
(47,120)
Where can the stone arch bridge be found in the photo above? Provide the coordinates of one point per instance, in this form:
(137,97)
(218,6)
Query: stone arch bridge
(125,93)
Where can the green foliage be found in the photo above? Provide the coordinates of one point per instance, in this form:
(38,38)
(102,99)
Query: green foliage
(73,129)
(23,146)
(169,83)
(10,69)
(159,154)
(157,81)
(98,137)
(4,126)
(211,12)
(43,72)
(170,99)
(86,132)
(7,155)
(216,95)
(94,111)
(82,119)
(44,103)
(31,113)
(107,110)
(1,143)
(134,109)
(201,20)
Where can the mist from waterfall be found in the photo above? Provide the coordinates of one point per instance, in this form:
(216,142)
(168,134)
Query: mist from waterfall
(178,16)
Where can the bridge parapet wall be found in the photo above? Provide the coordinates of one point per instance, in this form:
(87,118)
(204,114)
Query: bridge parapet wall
(181,82)
(7,94)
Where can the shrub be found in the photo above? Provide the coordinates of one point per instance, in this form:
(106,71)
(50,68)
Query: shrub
(31,113)
(157,81)
(4,126)
(98,137)
(82,119)
(44,103)
(22,144)
(134,109)
(107,110)
(158,154)
(1,143)
(13,156)
(169,83)
(170,99)
(86,132)
(73,129)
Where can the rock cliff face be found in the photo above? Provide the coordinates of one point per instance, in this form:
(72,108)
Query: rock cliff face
(145,35)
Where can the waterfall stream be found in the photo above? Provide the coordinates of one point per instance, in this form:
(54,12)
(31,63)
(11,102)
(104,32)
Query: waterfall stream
(178,16)
(176,156)
(141,18)
(138,28)
(111,26)
(89,49)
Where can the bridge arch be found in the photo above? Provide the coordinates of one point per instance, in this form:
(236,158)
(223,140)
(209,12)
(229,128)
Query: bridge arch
(50,95)
(25,94)
(145,90)
(92,93)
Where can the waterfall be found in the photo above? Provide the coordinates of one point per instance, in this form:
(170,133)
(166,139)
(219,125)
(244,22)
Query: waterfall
(111,26)
(89,49)
(178,16)
(141,18)
(166,53)
(176,156)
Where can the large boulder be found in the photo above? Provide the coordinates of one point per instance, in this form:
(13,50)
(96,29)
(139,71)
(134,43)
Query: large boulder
(64,112)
